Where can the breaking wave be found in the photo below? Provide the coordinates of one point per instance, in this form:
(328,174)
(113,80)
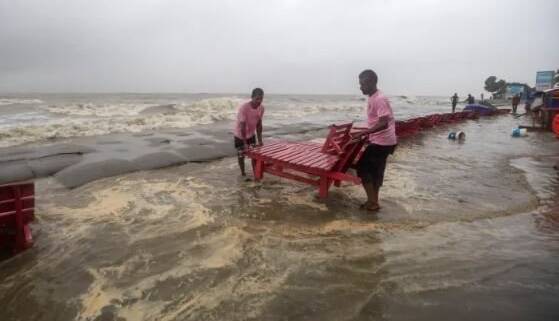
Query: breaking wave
(12,101)
(92,117)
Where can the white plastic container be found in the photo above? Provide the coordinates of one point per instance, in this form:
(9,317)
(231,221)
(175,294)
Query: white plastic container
(519,132)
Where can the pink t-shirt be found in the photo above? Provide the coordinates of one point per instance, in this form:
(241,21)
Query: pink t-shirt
(378,106)
(250,116)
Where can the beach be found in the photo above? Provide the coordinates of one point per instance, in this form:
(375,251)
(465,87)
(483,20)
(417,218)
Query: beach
(141,215)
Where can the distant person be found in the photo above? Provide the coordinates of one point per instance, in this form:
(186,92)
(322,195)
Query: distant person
(481,95)
(528,104)
(454,100)
(382,139)
(249,122)
(470,100)
(515,102)
(535,112)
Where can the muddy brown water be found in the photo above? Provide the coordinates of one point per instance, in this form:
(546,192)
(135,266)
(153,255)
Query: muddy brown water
(468,231)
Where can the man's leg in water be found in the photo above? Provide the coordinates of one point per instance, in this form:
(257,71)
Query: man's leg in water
(240,146)
(241,159)
(253,163)
(372,197)
(368,170)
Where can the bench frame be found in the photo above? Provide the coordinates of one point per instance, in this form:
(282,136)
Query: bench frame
(311,163)
(17,210)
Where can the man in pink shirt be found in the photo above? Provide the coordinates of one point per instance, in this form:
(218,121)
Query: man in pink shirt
(249,121)
(382,139)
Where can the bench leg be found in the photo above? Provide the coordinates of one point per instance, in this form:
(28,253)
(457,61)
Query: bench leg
(259,170)
(323,187)
(23,239)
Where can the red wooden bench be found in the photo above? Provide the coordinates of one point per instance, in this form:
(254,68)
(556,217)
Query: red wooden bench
(406,128)
(316,164)
(17,203)
(426,122)
(325,164)
(458,116)
(447,118)
(433,119)
(555,126)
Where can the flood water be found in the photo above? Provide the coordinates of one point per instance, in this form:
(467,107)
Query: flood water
(468,231)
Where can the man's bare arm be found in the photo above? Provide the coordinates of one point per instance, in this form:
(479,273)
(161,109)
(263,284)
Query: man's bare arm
(259,132)
(243,131)
(381,124)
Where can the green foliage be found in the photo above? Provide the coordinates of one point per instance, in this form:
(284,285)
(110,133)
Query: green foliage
(496,87)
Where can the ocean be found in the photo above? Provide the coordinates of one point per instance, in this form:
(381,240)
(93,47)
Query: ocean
(40,118)
(142,215)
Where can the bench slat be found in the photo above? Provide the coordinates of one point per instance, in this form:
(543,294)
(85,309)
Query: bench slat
(293,155)
(280,154)
(307,156)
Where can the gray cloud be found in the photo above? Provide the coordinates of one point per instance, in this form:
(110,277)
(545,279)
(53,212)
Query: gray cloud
(294,46)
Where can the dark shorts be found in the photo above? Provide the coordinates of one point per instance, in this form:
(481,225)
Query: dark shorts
(372,164)
(240,144)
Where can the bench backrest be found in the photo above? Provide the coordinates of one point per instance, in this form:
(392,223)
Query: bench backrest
(17,204)
(337,137)
(342,143)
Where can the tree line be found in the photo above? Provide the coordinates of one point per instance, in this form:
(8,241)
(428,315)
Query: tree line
(498,87)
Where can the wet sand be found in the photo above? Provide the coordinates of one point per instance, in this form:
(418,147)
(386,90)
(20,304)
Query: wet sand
(467,231)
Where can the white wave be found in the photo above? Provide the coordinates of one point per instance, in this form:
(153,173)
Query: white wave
(89,119)
(101,120)
(94,120)
(11,101)
(64,128)
(97,110)
(205,106)
(300,110)
(28,117)
(222,108)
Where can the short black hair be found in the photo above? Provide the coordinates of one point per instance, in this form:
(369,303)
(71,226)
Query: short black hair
(369,75)
(257,92)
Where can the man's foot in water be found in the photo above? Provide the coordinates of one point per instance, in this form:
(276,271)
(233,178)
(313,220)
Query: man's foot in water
(371,207)
(245,178)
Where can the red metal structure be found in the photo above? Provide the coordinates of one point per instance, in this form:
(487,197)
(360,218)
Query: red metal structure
(312,163)
(17,204)
(556,125)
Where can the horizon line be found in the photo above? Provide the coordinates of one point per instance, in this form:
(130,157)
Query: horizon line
(202,93)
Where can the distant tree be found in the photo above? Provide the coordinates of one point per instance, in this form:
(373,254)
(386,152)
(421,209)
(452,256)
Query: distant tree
(496,87)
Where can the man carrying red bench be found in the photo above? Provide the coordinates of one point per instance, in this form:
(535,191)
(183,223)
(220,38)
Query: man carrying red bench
(382,139)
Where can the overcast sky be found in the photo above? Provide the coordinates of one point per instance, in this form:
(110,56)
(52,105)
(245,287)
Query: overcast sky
(285,46)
